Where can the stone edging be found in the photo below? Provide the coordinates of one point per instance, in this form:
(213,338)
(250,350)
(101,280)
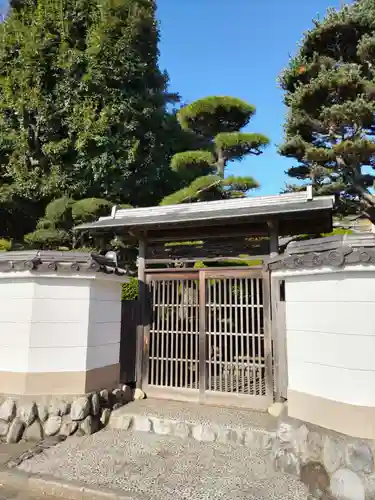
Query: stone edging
(48,485)
(332,465)
(34,419)
(251,437)
(334,251)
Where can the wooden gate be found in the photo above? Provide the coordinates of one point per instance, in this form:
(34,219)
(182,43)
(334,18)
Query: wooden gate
(209,339)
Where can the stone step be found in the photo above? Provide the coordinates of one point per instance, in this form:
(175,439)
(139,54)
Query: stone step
(203,423)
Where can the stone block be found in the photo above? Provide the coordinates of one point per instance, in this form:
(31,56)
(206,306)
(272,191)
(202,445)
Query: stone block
(162,427)
(334,450)
(181,430)
(345,484)
(15,431)
(52,425)
(80,408)
(316,478)
(287,462)
(359,458)
(105,416)
(8,410)
(141,423)
(34,432)
(28,413)
(203,433)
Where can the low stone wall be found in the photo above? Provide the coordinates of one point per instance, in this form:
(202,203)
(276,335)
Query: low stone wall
(332,465)
(33,419)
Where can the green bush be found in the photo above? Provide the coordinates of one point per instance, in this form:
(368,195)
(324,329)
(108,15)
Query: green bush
(5,245)
(59,212)
(130,290)
(45,224)
(90,209)
(47,238)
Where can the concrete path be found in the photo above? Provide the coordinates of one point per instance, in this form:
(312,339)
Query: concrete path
(12,451)
(151,467)
(14,494)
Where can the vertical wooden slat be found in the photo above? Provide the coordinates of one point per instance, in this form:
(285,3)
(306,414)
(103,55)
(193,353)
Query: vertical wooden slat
(178,330)
(162,335)
(202,335)
(168,333)
(248,333)
(209,314)
(259,361)
(224,365)
(253,333)
(173,329)
(219,367)
(188,332)
(230,337)
(153,340)
(196,348)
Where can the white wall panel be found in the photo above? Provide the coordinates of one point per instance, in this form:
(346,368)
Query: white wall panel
(335,287)
(354,387)
(56,359)
(330,323)
(60,311)
(353,352)
(104,333)
(331,317)
(13,359)
(102,355)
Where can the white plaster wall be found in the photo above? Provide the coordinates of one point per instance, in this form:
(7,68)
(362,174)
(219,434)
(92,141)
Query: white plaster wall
(16,300)
(104,324)
(330,322)
(59,324)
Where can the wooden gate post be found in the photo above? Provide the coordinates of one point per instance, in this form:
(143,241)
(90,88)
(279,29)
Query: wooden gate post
(279,340)
(141,312)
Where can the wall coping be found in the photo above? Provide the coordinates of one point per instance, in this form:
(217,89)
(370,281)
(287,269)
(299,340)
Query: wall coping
(71,263)
(333,251)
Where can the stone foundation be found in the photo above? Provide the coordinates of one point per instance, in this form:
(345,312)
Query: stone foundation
(331,464)
(35,418)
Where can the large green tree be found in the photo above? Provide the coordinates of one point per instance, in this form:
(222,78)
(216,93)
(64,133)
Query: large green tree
(216,120)
(83,107)
(329,91)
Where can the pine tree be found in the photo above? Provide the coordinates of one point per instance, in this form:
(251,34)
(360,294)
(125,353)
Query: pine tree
(329,90)
(218,120)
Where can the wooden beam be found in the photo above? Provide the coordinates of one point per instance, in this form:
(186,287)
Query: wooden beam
(274,237)
(207,232)
(150,262)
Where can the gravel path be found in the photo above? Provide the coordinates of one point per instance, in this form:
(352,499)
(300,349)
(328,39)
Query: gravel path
(166,468)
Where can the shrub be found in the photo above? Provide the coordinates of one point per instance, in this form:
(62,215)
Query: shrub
(5,245)
(47,238)
(130,290)
(89,209)
(59,212)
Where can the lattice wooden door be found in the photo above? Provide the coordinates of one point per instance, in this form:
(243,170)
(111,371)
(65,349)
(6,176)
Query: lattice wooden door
(209,338)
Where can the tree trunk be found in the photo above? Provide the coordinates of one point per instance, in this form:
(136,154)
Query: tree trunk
(220,164)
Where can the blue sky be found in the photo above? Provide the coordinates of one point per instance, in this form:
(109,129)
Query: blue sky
(238,47)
